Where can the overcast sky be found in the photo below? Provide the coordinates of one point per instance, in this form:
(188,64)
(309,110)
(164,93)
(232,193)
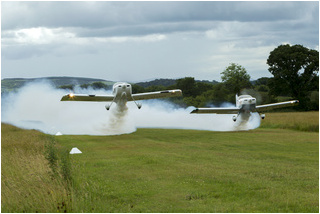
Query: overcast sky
(137,41)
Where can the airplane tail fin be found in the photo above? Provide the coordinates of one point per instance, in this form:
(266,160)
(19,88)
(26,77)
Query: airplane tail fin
(237,100)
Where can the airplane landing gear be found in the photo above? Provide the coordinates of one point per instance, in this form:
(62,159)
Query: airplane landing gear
(139,105)
(234,118)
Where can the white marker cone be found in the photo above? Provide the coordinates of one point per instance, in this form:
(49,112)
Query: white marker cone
(75,150)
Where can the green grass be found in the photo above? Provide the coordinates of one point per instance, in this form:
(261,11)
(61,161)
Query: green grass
(157,170)
(301,121)
(27,182)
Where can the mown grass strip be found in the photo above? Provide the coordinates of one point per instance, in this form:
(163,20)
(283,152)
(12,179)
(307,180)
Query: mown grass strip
(157,170)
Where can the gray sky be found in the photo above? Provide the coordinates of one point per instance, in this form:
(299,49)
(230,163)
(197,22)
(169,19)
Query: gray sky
(137,41)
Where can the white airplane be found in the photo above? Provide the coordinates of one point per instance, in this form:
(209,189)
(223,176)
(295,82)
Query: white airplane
(245,104)
(121,93)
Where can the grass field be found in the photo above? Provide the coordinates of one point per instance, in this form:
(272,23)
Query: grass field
(27,184)
(270,169)
(301,121)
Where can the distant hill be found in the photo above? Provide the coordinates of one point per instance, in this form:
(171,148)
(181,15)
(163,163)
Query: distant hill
(157,82)
(12,84)
(213,82)
(168,82)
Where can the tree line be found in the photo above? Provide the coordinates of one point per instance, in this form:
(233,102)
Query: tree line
(295,71)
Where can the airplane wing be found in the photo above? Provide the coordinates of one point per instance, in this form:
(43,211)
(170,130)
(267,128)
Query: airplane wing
(276,105)
(87,97)
(215,111)
(156,94)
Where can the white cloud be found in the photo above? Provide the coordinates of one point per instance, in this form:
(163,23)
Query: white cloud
(36,36)
(43,35)
(120,39)
(144,40)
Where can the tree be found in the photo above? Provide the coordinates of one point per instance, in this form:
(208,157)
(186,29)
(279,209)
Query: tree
(70,87)
(235,77)
(217,95)
(295,70)
(100,85)
(137,89)
(188,86)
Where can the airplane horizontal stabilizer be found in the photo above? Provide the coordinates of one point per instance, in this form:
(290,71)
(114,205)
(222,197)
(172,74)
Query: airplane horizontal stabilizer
(215,111)
(86,97)
(271,106)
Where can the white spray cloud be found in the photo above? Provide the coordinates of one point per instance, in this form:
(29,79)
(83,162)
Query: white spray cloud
(160,114)
(38,106)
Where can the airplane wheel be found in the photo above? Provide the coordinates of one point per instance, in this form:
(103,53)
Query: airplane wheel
(234,118)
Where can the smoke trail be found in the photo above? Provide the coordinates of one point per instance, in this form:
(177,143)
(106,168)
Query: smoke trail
(119,122)
(162,114)
(252,123)
(38,106)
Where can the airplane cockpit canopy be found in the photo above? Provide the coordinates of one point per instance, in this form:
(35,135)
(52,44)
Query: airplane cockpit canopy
(244,96)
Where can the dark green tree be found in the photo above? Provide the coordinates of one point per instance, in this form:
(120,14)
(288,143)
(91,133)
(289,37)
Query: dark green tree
(203,87)
(70,87)
(137,88)
(99,85)
(84,85)
(295,70)
(155,88)
(236,78)
(188,86)
(217,95)
(262,81)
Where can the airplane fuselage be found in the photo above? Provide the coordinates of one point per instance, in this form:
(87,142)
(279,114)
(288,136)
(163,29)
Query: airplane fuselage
(121,92)
(246,105)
